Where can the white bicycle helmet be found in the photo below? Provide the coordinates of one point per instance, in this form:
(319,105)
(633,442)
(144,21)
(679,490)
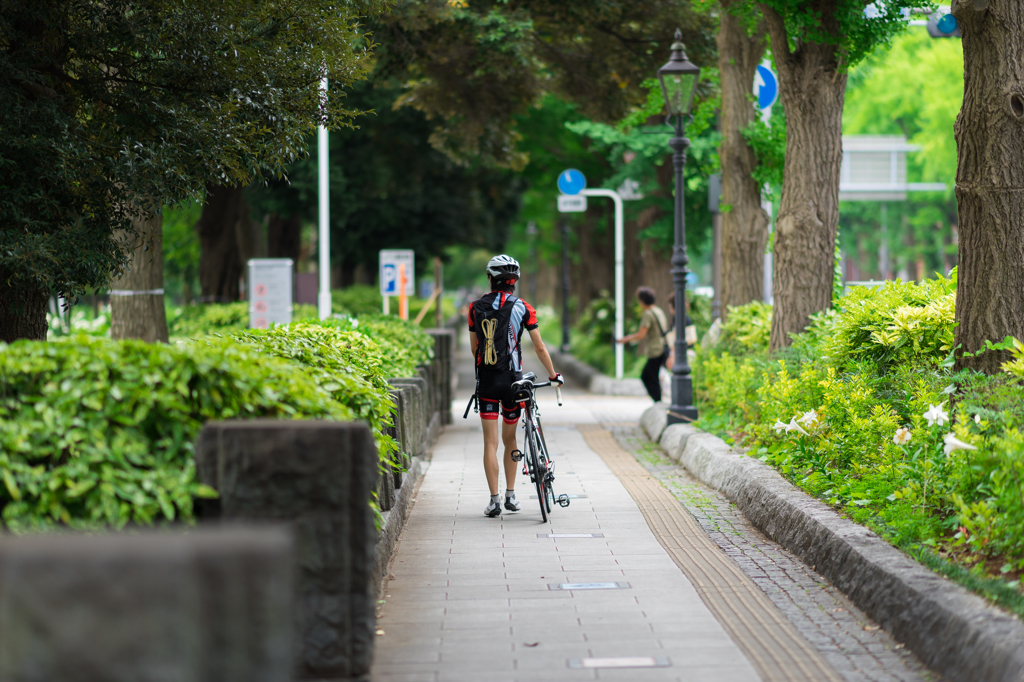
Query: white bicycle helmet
(503,266)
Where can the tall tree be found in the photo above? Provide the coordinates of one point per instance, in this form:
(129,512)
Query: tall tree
(104,103)
(813,43)
(741,45)
(390,188)
(476,67)
(990,174)
(223,228)
(136,296)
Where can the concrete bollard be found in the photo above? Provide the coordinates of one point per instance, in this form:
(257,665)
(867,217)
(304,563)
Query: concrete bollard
(318,475)
(418,418)
(444,351)
(395,432)
(206,604)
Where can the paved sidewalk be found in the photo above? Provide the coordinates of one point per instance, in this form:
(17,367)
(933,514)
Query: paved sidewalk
(475,598)
(855,646)
(471,599)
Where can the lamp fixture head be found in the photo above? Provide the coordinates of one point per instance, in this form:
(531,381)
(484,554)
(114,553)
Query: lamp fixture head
(678,79)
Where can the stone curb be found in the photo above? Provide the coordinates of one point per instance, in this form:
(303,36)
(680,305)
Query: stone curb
(593,380)
(952,631)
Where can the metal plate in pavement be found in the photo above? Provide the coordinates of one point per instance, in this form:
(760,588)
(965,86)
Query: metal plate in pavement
(622,662)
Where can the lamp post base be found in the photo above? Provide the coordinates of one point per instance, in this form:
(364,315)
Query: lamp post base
(681,414)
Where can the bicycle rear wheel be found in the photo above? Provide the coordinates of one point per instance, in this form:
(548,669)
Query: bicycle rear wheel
(544,458)
(536,473)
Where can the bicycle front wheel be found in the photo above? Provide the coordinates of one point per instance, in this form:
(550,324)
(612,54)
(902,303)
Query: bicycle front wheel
(536,473)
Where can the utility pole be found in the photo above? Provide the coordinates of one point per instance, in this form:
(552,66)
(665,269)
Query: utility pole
(565,287)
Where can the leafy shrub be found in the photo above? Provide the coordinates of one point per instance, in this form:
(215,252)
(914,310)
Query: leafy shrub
(595,329)
(360,300)
(404,346)
(864,413)
(747,328)
(349,365)
(97,432)
(897,322)
(197,320)
(80,320)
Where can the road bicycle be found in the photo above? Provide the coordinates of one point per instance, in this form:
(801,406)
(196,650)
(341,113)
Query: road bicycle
(538,463)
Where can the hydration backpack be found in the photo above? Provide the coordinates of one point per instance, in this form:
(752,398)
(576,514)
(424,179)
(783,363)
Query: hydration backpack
(496,339)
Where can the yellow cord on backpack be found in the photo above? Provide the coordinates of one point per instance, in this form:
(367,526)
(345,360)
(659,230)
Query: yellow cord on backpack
(490,354)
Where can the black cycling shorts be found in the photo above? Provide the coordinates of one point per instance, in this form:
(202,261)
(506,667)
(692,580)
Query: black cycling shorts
(496,396)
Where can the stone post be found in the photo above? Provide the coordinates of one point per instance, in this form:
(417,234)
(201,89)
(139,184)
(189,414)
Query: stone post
(211,603)
(318,475)
(444,350)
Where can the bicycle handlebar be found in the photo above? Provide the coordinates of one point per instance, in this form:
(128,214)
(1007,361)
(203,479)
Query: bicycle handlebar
(558,387)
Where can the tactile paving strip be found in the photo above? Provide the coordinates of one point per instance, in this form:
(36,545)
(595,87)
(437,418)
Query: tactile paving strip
(772,644)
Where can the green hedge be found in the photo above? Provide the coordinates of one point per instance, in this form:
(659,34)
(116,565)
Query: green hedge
(98,432)
(362,299)
(865,413)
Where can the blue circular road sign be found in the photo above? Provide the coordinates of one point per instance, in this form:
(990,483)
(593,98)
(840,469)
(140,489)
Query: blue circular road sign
(766,87)
(571,181)
(947,24)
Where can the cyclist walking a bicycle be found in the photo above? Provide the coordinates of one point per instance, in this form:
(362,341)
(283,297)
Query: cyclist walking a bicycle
(496,324)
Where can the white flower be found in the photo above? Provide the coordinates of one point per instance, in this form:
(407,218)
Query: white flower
(809,418)
(902,436)
(779,427)
(793,426)
(977,419)
(936,415)
(954,443)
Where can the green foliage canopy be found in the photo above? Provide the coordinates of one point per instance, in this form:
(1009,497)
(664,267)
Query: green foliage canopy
(477,67)
(111,109)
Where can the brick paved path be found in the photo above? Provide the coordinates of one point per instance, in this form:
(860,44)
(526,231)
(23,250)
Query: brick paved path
(857,648)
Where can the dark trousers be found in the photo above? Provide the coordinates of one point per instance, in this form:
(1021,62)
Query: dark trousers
(650,378)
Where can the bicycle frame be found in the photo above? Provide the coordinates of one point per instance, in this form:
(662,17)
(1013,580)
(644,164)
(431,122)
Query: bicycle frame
(538,461)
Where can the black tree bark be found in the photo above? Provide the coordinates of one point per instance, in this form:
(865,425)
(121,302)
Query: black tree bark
(745,224)
(221,227)
(990,181)
(812,88)
(22,314)
(136,297)
(284,237)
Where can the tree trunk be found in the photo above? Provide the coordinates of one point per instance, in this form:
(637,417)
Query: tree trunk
(224,220)
(136,312)
(989,180)
(284,237)
(812,89)
(745,223)
(22,314)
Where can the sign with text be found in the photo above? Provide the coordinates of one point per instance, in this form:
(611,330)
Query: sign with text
(270,292)
(572,203)
(389,261)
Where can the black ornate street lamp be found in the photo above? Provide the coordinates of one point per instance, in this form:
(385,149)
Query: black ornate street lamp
(678,81)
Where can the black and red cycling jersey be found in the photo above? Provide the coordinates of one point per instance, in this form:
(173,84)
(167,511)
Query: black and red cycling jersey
(498,320)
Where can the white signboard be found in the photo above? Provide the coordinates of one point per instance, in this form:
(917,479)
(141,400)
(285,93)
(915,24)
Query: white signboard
(390,259)
(572,203)
(270,292)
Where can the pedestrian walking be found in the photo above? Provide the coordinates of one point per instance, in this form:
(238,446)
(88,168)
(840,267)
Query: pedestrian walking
(670,338)
(650,339)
